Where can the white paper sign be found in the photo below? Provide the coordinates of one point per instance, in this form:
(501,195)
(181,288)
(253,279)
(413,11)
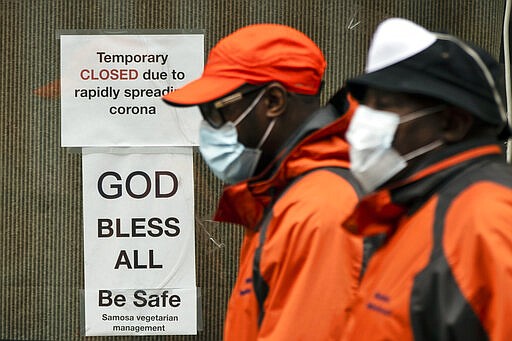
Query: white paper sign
(111,89)
(139,249)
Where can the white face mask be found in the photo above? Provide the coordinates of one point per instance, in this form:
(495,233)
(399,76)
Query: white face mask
(373,160)
(229,159)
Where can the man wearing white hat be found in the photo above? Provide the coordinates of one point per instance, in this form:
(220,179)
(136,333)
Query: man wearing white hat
(425,146)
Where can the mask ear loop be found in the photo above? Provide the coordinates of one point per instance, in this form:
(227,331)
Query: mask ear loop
(425,149)
(267,133)
(415,115)
(249,108)
(422,112)
(488,76)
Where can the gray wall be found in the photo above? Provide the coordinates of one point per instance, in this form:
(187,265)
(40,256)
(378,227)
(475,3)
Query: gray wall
(41,253)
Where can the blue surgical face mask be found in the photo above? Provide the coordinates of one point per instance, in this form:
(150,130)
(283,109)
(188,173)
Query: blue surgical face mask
(229,159)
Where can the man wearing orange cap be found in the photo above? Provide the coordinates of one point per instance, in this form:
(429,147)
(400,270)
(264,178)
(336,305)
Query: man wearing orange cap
(285,161)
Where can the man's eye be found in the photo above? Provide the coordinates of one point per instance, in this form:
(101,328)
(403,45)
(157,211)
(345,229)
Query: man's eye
(386,102)
(230,113)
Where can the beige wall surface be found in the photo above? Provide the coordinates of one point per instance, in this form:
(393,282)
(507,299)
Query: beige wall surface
(41,246)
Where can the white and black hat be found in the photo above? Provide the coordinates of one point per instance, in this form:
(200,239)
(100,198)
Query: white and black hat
(405,57)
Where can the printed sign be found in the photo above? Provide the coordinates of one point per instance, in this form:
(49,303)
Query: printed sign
(139,249)
(111,89)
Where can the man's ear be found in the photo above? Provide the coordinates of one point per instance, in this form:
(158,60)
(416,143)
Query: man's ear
(457,124)
(276,100)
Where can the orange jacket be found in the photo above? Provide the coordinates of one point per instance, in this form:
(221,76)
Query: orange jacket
(445,270)
(294,258)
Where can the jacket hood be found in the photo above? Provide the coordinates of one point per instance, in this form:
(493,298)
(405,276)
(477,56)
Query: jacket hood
(324,146)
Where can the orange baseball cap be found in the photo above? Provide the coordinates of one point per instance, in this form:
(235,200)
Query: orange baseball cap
(256,54)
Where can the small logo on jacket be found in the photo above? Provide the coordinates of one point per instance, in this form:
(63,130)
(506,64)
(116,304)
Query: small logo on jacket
(380,300)
(248,281)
